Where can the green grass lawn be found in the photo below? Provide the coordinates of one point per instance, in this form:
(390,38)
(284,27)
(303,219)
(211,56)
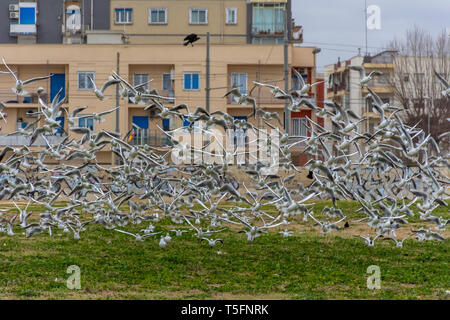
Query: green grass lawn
(305,266)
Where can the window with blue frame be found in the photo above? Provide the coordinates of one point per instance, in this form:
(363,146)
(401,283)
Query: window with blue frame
(191,81)
(123,15)
(27,15)
(86,123)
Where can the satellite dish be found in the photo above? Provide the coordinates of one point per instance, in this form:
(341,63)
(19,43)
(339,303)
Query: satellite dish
(73,18)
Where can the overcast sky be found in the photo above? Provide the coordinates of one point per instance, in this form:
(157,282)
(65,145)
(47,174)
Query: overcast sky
(330,24)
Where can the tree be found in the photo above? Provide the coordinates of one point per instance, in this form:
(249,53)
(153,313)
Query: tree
(415,85)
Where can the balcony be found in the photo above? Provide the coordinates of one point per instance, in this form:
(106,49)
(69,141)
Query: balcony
(8,97)
(149,137)
(20,140)
(22,29)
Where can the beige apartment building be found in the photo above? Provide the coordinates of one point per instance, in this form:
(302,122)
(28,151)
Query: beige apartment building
(143,41)
(178,72)
(227,21)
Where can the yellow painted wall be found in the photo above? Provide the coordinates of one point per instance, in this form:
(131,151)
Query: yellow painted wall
(178,21)
(31,61)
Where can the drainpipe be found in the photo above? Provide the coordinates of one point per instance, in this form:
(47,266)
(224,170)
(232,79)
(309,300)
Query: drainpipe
(92,14)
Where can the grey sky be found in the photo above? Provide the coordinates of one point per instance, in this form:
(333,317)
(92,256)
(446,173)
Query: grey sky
(330,23)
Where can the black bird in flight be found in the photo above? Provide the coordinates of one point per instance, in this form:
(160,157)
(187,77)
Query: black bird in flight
(191,38)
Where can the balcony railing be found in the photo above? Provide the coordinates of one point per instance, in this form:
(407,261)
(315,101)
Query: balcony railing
(150,137)
(20,140)
(7,96)
(268,29)
(22,29)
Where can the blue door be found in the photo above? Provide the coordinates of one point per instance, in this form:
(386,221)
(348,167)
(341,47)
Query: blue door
(140,130)
(57,81)
(166,124)
(141,121)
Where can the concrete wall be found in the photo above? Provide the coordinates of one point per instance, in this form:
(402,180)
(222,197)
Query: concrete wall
(5,21)
(50,19)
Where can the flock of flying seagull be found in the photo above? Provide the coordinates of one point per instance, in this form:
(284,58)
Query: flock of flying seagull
(386,172)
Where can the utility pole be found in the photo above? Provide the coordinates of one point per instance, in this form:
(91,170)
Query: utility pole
(258,101)
(207,89)
(116,159)
(365,23)
(287,117)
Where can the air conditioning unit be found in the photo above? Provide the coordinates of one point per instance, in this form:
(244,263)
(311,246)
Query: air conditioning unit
(14,15)
(32,113)
(13,7)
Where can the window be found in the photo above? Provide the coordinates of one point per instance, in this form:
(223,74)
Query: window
(296,82)
(239,136)
(299,127)
(27,15)
(141,78)
(239,80)
(231,16)
(83,80)
(86,123)
(198,16)
(157,16)
(191,81)
(268,18)
(167,82)
(124,16)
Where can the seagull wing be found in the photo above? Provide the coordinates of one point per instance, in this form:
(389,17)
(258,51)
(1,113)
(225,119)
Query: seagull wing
(78,110)
(35,79)
(299,77)
(10,71)
(361,69)
(234,91)
(108,83)
(107,112)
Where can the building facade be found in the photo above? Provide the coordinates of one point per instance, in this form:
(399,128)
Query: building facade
(142,41)
(343,85)
(146,21)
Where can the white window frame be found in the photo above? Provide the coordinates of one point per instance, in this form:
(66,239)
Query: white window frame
(198,9)
(87,73)
(297,129)
(147,86)
(157,22)
(199,78)
(123,22)
(91,116)
(162,82)
(239,74)
(228,10)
